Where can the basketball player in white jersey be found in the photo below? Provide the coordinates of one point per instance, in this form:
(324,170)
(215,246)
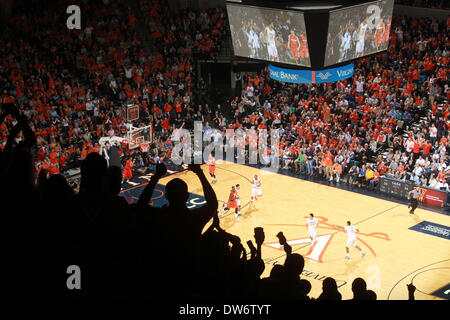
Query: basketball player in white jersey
(312,223)
(361,38)
(351,241)
(271,45)
(345,45)
(256,188)
(254,45)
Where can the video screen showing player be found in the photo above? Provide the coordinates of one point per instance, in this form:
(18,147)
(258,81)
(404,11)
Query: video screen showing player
(358,31)
(269,34)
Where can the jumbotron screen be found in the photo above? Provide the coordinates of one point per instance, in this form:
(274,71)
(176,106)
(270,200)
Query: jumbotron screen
(269,34)
(358,31)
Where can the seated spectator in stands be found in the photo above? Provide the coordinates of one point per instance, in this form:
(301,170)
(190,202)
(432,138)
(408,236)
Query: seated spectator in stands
(362,176)
(415,178)
(369,175)
(300,163)
(337,172)
(352,175)
(373,183)
(423,180)
(286,158)
(433,182)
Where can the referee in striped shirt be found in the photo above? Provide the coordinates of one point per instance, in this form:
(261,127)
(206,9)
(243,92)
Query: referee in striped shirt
(413,197)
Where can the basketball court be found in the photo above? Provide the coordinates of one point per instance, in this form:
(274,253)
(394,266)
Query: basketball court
(395,254)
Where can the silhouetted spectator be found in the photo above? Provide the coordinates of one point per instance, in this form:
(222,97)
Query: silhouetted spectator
(292,287)
(329,290)
(359,289)
(177,231)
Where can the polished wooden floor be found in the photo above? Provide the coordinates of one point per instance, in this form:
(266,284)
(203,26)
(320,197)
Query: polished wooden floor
(395,255)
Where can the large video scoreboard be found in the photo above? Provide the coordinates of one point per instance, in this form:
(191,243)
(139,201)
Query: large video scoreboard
(306,35)
(269,34)
(358,31)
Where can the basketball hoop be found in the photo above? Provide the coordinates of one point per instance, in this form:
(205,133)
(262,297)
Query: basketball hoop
(132,145)
(138,136)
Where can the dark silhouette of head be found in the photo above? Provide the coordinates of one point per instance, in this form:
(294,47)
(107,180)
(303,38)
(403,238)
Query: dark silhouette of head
(293,265)
(329,285)
(93,170)
(359,288)
(58,187)
(177,192)
(277,272)
(256,267)
(305,286)
(330,290)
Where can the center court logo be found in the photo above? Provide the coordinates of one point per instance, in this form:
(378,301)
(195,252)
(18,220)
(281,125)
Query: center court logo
(317,251)
(251,146)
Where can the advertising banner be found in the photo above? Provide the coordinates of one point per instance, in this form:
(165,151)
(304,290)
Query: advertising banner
(394,187)
(400,189)
(310,76)
(432,197)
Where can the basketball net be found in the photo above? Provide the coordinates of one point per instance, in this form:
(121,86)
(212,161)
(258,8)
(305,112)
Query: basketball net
(139,137)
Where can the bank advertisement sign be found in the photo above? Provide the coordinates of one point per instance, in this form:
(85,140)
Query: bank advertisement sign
(311,76)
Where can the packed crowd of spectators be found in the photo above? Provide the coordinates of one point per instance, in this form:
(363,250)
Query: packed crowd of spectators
(69,82)
(73,84)
(177,32)
(338,131)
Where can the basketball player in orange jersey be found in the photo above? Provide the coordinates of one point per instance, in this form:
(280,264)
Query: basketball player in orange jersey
(232,203)
(303,47)
(127,171)
(387,30)
(379,34)
(212,168)
(294,46)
